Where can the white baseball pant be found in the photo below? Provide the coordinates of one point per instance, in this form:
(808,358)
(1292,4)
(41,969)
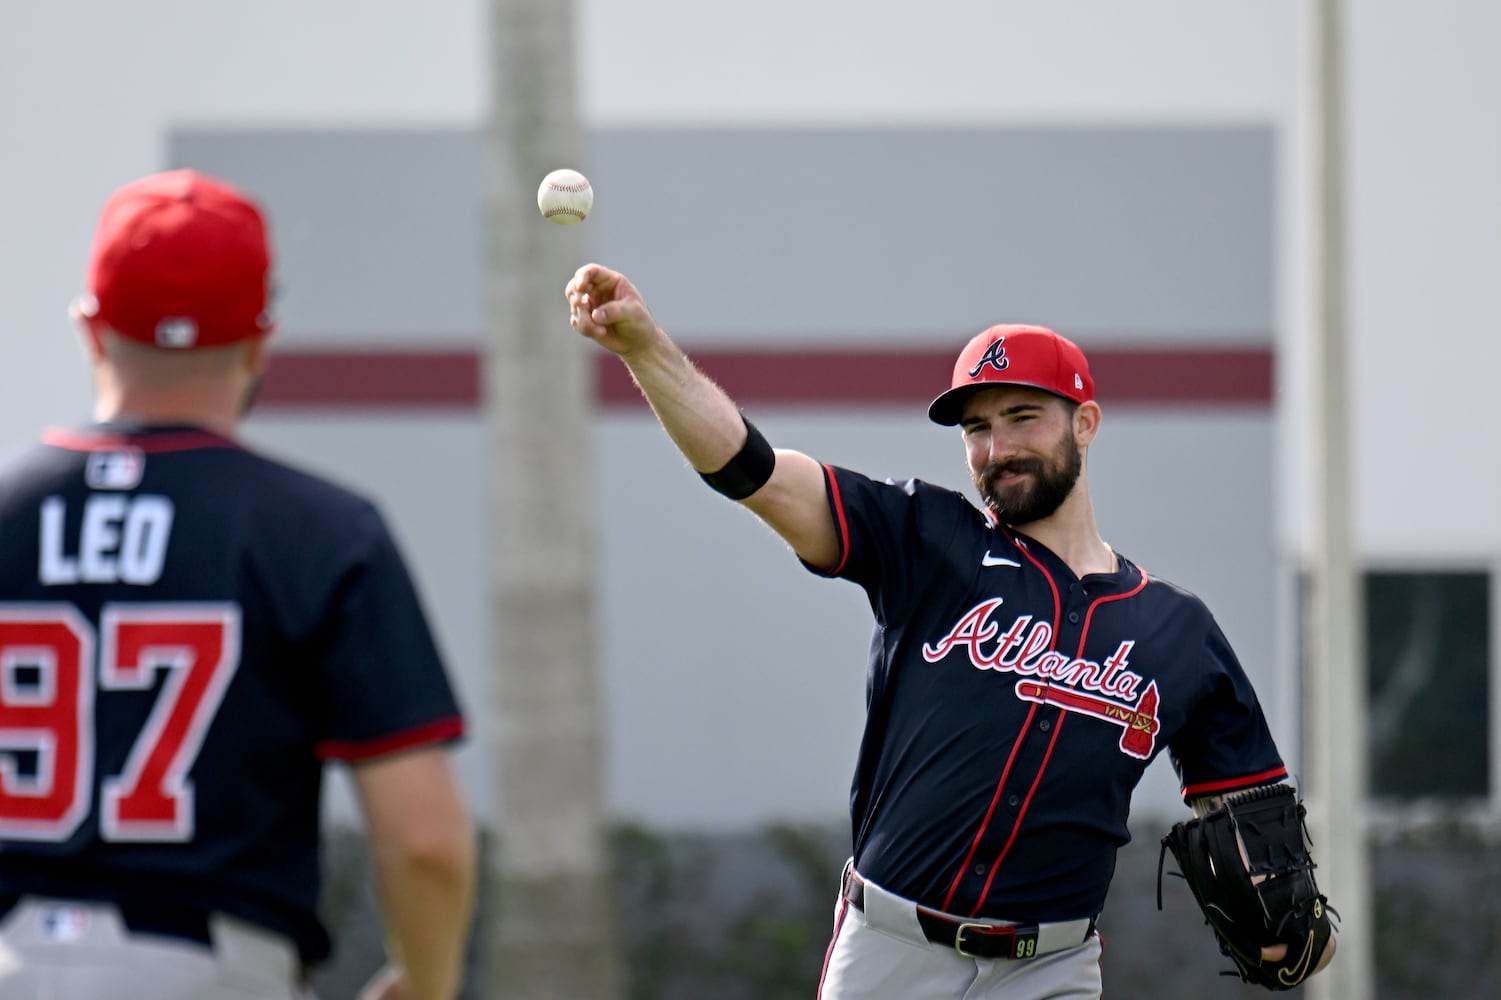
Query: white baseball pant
(61,950)
(880,953)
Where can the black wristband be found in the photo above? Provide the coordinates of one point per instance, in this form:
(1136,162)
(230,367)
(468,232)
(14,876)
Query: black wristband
(748,471)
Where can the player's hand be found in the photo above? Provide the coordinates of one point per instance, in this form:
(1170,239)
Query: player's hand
(1276,952)
(604,306)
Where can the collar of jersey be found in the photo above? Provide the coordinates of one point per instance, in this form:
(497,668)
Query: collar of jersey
(147,437)
(1125,575)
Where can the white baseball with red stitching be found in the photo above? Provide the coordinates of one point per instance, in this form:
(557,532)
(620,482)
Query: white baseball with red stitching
(565,197)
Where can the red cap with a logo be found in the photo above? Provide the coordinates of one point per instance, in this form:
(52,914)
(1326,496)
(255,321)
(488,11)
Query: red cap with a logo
(1014,354)
(180,260)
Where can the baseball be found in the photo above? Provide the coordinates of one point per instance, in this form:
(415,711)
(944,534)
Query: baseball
(565,197)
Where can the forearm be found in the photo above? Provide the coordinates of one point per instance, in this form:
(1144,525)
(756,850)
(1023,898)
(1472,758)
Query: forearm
(426,900)
(696,413)
(784,488)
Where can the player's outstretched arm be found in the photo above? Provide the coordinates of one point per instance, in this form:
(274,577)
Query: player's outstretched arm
(699,416)
(422,848)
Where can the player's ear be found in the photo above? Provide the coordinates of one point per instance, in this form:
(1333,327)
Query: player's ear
(1086,422)
(90,332)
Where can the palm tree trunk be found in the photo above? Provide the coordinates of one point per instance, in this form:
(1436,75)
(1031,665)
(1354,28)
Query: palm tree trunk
(551,932)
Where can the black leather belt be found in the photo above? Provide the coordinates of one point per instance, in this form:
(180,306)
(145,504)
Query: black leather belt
(968,938)
(156,919)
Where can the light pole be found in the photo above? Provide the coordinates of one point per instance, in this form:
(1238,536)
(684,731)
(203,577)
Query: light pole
(1335,664)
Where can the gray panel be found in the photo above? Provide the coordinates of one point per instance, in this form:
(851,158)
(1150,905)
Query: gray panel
(1151,233)
(378,234)
(1154,230)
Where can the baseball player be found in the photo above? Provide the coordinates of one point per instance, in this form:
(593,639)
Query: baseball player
(188,632)
(1022,673)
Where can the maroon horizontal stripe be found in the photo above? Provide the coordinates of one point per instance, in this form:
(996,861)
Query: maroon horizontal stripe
(852,377)
(352,379)
(825,377)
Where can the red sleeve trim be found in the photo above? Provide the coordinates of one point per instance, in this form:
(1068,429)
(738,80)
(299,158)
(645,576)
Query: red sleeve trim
(839,520)
(1231,784)
(442,731)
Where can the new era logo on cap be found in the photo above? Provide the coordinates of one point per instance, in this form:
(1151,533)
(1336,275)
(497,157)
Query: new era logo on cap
(180,260)
(1014,354)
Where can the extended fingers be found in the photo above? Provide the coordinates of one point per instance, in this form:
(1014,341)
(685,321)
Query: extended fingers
(578,292)
(579,314)
(586,289)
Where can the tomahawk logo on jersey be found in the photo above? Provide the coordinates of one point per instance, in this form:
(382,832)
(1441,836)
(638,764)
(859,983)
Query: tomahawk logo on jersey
(168,684)
(1059,690)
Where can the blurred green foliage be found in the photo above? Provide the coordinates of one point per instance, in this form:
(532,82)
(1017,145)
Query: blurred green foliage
(747,916)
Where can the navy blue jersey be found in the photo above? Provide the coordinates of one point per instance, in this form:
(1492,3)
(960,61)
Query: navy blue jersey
(1012,707)
(187,632)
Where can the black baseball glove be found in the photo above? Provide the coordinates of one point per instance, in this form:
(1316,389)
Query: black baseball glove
(1248,866)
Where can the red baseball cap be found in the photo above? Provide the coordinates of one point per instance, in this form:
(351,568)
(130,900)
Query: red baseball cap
(1014,354)
(180,260)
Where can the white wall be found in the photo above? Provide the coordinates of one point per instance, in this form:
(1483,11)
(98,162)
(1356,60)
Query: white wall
(939,62)
(1425,158)
(1423,151)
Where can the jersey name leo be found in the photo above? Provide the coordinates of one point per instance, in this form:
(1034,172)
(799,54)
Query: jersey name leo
(121,539)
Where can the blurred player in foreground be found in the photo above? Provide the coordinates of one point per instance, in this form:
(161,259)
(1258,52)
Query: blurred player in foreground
(188,632)
(1022,676)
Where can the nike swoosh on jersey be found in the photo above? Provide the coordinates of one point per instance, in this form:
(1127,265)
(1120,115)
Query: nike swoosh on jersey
(990,560)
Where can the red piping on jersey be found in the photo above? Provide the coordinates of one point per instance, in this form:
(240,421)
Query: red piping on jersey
(1210,787)
(1021,734)
(995,866)
(151,444)
(994,801)
(1057,602)
(839,520)
(1106,600)
(1057,728)
(441,731)
(844,906)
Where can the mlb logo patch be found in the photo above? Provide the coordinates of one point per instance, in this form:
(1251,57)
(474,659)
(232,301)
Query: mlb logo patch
(177,331)
(115,470)
(65,924)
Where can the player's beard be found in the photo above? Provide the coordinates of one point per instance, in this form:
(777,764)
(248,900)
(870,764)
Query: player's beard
(1052,479)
